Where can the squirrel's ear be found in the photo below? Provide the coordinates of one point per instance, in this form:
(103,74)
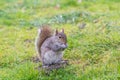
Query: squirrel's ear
(63,30)
(56,32)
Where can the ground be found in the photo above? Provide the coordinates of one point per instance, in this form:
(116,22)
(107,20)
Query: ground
(92,28)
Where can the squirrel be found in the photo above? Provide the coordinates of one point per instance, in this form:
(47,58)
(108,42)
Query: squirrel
(50,46)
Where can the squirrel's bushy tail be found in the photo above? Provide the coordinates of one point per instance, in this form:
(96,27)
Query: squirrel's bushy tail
(43,33)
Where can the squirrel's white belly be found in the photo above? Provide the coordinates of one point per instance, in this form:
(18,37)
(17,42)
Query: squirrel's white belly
(52,57)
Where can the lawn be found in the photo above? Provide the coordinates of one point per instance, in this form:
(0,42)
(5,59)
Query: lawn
(92,28)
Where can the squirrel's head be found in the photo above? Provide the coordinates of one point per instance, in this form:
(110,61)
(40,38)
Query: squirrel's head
(61,37)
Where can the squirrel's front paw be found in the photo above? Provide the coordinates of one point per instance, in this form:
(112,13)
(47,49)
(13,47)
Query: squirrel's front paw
(63,62)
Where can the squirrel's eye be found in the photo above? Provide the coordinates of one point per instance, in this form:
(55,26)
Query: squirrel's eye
(59,36)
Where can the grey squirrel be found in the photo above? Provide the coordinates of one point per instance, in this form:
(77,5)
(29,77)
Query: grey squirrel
(50,46)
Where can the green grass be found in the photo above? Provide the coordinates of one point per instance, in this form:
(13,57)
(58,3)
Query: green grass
(93,52)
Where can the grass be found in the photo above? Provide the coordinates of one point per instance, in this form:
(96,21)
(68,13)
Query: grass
(93,52)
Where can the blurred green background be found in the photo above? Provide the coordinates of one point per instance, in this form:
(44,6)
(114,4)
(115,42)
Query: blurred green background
(92,27)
